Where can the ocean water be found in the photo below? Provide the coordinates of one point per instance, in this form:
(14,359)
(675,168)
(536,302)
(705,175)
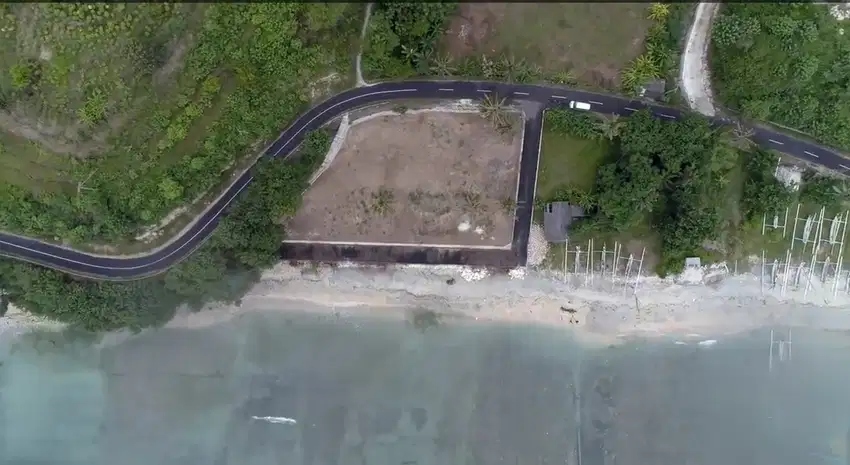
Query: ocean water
(272,388)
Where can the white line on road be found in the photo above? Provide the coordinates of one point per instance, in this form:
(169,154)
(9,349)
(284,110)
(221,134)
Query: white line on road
(446,90)
(667,116)
(776,142)
(558,96)
(595,103)
(810,154)
(631,109)
(845,167)
(485,91)
(521,93)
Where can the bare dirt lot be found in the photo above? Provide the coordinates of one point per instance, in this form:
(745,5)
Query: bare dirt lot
(594,40)
(417,178)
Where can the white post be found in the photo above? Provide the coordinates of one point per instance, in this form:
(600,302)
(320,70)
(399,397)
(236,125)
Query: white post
(796,219)
(815,246)
(640,267)
(566,252)
(785,277)
(616,262)
(785,223)
(840,255)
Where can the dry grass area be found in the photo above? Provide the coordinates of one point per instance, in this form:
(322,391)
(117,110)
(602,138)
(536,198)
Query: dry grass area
(417,179)
(595,40)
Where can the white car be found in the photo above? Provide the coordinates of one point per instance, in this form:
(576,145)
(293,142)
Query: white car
(579,105)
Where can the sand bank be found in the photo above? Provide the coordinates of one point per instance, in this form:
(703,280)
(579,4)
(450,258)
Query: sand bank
(704,304)
(679,307)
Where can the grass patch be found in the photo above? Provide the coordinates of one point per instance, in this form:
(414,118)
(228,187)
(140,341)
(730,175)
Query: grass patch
(568,160)
(593,40)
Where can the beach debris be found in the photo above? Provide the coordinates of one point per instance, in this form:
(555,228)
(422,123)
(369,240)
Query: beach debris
(450,281)
(465,224)
(572,312)
(278,420)
(538,247)
(517,273)
(474,274)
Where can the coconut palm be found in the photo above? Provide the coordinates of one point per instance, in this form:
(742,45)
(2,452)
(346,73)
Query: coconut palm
(511,67)
(642,69)
(489,69)
(659,11)
(610,127)
(740,136)
(842,190)
(441,65)
(567,77)
(529,73)
(494,109)
(409,53)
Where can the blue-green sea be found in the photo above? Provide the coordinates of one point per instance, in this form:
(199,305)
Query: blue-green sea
(274,388)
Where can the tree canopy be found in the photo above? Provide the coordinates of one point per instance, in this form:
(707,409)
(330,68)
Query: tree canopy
(784,62)
(247,241)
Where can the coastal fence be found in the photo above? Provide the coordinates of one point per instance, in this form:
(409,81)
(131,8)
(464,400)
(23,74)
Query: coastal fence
(597,266)
(814,259)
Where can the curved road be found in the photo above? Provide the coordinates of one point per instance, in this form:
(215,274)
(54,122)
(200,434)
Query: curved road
(125,268)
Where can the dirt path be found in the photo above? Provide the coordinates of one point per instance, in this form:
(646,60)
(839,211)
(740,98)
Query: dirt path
(695,76)
(360,81)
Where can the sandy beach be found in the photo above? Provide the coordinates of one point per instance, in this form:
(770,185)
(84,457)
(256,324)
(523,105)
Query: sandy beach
(343,365)
(698,303)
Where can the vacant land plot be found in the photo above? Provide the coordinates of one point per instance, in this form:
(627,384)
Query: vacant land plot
(594,40)
(425,178)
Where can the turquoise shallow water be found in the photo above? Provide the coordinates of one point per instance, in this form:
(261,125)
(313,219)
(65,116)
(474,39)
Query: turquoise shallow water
(383,393)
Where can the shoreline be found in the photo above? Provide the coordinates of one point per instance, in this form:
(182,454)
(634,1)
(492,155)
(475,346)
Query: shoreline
(710,305)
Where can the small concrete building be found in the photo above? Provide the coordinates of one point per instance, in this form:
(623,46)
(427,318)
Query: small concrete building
(654,89)
(557,218)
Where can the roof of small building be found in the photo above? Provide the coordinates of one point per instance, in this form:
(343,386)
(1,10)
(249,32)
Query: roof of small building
(557,218)
(654,88)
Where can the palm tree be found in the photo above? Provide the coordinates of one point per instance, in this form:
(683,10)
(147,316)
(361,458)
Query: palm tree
(843,191)
(511,67)
(410,54)
(442,65)
(494,109)
(489,69)
(529,73)
(610,127)
(659,11)
(740,136)
(567,77)
(642,69)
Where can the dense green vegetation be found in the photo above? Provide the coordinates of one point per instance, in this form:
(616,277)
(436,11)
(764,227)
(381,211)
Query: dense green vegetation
(660,59)
(246,241)
(763,193)
(671,177)
(786,63)
(112,115)
(402,38)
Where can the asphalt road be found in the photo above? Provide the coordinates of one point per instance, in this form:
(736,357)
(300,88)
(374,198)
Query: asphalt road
(127,268)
